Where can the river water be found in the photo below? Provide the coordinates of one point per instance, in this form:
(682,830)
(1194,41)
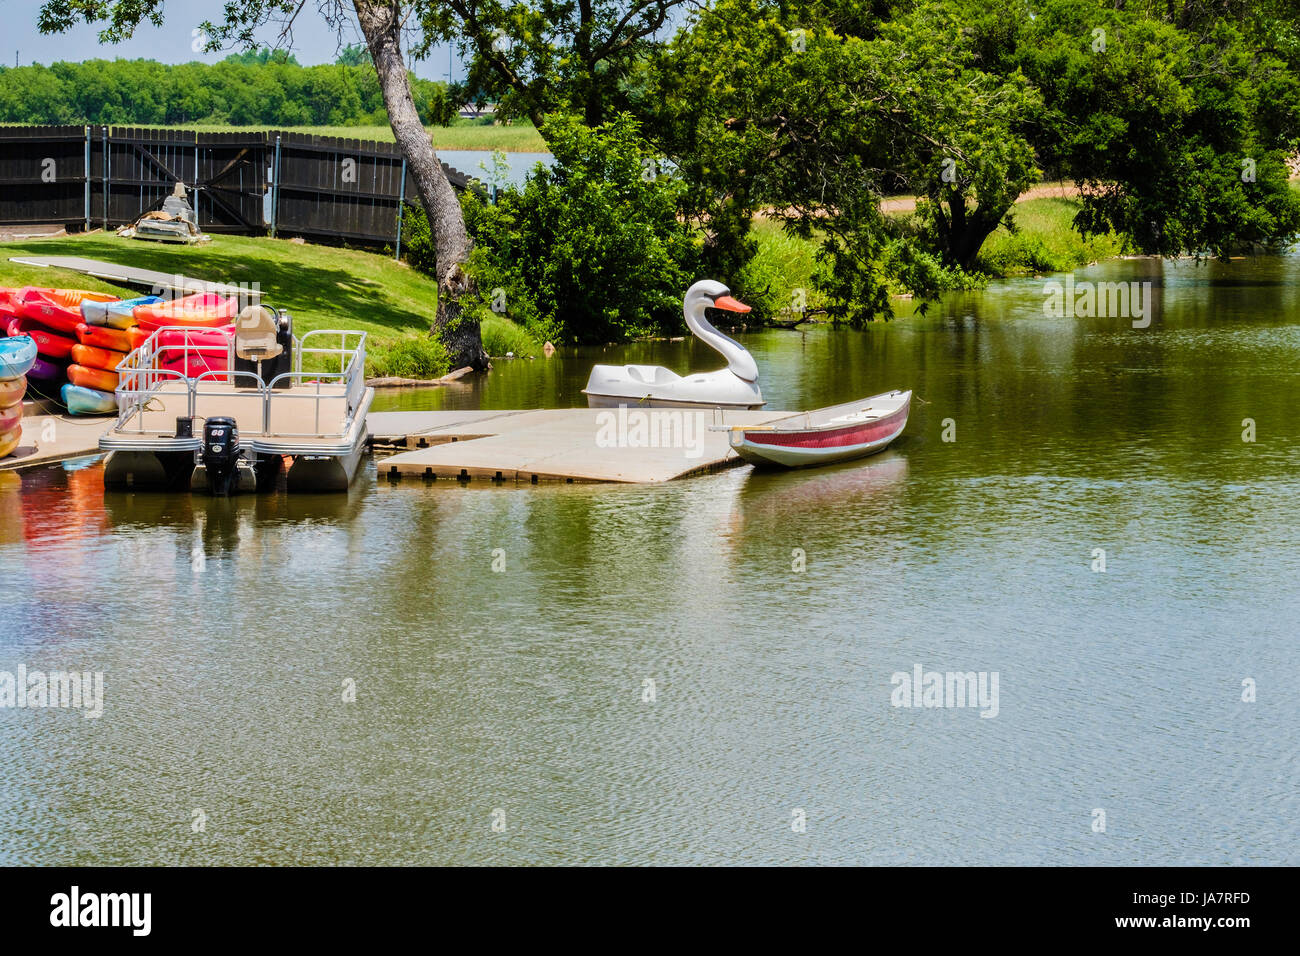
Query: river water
(703,672)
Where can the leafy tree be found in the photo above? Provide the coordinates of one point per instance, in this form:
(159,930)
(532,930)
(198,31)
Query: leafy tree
(262,56)
(354,54)
(815,127)
(382,23)
(260,93)
(1174,119)
(540,58)
(591,249)
(1176,126)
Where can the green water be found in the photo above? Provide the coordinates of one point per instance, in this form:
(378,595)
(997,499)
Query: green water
(230,632)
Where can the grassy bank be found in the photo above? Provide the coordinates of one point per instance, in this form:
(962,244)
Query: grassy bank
(779,277)
(322,287)
(1045,241)
(519,137)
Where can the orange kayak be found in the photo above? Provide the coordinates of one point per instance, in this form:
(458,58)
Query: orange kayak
(59,309)
(201,310)
(119,340)
(98,378)
(91,357)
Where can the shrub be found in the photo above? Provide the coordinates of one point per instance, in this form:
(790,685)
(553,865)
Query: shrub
(501,336)
(413,356)
(591,249)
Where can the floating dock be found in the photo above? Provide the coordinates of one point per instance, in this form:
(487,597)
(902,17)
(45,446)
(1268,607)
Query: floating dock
(561,444)
(50,438)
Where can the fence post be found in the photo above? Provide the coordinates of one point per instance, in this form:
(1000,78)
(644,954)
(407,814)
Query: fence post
(275,188)
(107,188)
(87,179)
(401,204)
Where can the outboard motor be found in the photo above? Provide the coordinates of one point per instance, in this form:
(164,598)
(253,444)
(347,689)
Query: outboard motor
(221,455)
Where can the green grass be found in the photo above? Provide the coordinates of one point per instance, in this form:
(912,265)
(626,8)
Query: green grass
(501,336)
(519,137)
(322,287)
(783,266)
(1045,241)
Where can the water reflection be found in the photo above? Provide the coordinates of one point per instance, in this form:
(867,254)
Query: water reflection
(500,638)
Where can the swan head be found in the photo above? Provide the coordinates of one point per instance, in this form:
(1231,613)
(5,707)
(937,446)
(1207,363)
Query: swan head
(708,294)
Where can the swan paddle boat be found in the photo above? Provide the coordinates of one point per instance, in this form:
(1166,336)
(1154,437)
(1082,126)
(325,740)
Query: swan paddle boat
(825,435)
(652,386)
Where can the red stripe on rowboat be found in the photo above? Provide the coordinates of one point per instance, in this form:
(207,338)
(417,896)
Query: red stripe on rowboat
(855,434)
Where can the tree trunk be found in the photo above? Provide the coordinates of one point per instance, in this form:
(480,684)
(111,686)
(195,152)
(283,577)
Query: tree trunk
(962,232)
(381,23)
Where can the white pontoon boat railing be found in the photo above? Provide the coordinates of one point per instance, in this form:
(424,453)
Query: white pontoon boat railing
(143,377)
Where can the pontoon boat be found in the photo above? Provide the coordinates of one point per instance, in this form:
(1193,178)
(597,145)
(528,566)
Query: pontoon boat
(231,426)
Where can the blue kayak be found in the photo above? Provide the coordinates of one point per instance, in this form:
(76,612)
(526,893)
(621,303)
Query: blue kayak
(17,356)
(88,401)
(117,315)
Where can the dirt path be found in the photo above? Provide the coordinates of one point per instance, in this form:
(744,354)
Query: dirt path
(1061,190)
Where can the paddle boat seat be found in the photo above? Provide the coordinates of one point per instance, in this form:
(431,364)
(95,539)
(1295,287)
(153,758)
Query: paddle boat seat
(650,374)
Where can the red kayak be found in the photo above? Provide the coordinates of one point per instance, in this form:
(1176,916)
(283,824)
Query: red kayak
(8,309)
(194,351)
(201,310)
(195,365)
(47,343)
(208,340)
(58,309)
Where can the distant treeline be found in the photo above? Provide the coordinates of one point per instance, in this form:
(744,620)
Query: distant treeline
(249,89)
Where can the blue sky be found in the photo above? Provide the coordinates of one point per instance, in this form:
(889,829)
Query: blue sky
(313,41)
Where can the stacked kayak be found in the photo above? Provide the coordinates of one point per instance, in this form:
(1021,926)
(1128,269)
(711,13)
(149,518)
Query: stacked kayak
(17,355)
(198,328)
(57,309)
(49,317)
(107,333)
(115,315)
(193,352)
(82,337)
(203,310)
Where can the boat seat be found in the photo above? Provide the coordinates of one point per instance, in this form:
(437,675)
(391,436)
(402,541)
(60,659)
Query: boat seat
(650,374)
(255,334)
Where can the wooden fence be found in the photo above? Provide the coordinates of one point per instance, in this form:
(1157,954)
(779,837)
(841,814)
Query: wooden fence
(326,189)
